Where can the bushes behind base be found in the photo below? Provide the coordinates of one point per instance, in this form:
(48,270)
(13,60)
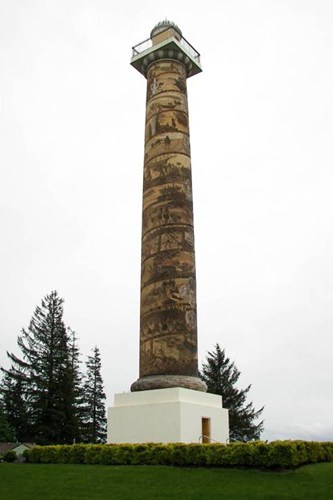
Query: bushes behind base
(274,455)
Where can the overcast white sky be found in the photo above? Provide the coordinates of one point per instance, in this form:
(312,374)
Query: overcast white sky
(71,160)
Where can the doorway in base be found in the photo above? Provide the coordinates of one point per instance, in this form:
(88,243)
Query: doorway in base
(205,430)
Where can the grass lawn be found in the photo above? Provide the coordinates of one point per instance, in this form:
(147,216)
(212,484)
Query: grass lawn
(62,482)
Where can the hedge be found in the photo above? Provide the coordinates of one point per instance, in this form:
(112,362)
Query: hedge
(9,456)
(274,455)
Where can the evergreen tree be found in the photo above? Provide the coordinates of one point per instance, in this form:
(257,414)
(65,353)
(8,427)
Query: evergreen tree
(221,377)
(46,372)
(6,432)
(94,427)
(75,393)
(14,405)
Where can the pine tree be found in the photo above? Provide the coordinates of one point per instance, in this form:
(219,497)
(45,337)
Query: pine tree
(6,432)
(221,377)
(94,406)
(46,373)
(75,393)
(15,406)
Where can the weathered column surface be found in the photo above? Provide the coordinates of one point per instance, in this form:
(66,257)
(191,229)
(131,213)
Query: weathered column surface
(168,325)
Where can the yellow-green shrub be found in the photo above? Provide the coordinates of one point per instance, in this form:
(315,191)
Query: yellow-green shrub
(274,455)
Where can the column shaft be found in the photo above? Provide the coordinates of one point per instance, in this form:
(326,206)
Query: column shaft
(168,327)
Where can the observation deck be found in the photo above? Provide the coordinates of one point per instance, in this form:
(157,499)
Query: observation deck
(166,42)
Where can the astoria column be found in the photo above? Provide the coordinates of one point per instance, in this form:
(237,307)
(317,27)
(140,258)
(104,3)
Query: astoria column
(168,325)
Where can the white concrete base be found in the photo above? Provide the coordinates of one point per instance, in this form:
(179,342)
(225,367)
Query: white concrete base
(166,416)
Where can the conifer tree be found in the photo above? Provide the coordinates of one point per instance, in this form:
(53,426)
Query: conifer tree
(75,392)
(46,372)
(15,406)
(6,432)
(94,419)
(221,377)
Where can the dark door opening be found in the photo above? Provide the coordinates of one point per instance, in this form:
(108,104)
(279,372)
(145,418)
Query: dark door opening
(205,430)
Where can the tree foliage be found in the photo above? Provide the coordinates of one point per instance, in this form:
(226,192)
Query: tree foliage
(14,405)
(94,420)
(44,370)
(42,391)
(6,432)
(221,377)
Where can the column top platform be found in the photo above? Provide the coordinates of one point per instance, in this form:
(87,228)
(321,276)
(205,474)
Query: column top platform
(166,42)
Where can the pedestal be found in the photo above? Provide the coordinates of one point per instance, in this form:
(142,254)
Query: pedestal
(174,415)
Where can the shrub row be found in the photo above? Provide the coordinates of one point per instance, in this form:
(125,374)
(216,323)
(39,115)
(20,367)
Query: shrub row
(9,456)
(274,455)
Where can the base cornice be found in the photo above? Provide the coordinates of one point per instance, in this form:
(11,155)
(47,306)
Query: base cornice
(168,381)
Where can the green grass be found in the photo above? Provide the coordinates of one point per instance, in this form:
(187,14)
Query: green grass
(53,482)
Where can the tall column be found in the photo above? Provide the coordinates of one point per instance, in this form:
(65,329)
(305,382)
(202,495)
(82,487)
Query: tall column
(168,326)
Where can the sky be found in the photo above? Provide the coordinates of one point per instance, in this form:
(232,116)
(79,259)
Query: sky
(72,114)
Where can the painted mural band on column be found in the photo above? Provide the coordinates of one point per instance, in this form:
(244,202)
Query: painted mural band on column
(168,327)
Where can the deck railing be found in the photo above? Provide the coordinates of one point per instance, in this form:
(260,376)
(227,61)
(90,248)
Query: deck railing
(147,44)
